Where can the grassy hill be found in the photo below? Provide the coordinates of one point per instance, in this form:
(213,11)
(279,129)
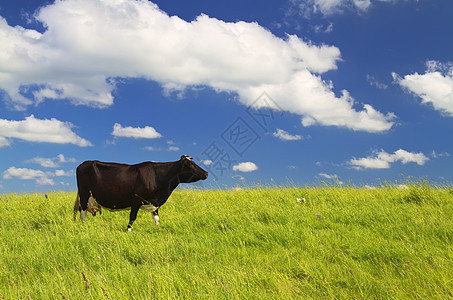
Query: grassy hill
(272,243)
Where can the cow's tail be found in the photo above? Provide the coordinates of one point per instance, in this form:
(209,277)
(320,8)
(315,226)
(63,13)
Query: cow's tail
(76,206)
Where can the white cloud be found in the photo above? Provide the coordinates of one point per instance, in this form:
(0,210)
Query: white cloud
(382,159)
(245,167)
(369,187)
(285,136)
(206,162)
(436,154)
(135,132)
(151,148)
(37,130)
(334,176)
(306,8)
(322,29)
(51,162)
(44,162)
(172,146)
(63,173)
(240,178)
(4,142)
(63,159)
(329,7)
(402,187)
(89,43)
(373,82)
(40,177)
(317,104)
(435,87)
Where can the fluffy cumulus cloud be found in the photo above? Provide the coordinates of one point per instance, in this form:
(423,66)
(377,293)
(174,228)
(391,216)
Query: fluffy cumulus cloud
(40,177)
(146,132)
(286,136)
(39,130)
(245,167)
(44,162)
(434,87)
(89,43)
(382,159)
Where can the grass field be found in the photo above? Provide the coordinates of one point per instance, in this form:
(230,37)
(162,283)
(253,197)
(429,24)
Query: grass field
(262,243)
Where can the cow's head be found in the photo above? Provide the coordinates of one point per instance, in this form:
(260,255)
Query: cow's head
(190,171)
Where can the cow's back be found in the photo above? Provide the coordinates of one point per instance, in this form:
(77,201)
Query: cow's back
(84,174)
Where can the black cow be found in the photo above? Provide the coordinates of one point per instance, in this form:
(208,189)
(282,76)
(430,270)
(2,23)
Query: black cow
(144,186)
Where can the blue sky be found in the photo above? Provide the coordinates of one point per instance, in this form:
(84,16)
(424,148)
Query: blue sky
(273,92)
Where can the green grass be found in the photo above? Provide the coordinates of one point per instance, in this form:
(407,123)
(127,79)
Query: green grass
(248,244)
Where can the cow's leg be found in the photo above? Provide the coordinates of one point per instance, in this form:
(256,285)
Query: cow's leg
(78,207)
(156,217)
(83,216)
(134,210)
(84,195)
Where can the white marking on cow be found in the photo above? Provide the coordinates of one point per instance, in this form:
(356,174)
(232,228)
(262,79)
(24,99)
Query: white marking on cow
(129,229)
(83,215)
(156,219)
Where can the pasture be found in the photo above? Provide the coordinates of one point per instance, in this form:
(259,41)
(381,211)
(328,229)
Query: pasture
(258,243)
